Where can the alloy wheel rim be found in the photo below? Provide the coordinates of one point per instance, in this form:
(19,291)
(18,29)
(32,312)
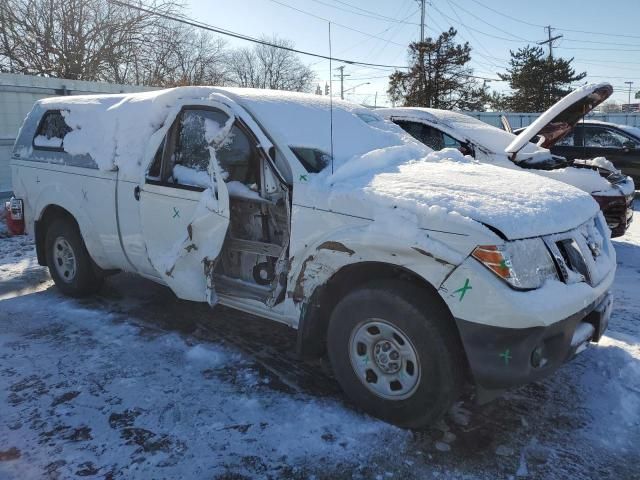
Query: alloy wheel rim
(384,359)
(64,259)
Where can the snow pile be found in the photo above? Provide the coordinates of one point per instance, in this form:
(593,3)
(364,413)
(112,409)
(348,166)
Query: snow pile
(444,183)
(600,162)
(585,179)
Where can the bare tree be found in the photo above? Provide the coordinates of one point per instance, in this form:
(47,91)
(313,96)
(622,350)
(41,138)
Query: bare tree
(180,56)
(265,66)
(101,40)
(75,39)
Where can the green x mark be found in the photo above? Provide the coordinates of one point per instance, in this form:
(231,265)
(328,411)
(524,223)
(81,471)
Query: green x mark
(304,178)
(463,290)
(176,212)
(506,355)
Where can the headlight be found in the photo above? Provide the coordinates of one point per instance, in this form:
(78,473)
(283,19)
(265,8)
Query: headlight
(524,264)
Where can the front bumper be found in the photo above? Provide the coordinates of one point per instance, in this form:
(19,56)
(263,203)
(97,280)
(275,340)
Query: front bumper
(618,212)
(501,357)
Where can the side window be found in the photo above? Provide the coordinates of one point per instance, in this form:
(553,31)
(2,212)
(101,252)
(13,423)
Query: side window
(450,142)
(192,150)
(51,131)
(183,156)
(188,163)
(239,157)
(604,138)
(567,141)
(430,136)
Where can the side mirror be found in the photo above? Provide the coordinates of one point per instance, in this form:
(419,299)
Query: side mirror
(628,146)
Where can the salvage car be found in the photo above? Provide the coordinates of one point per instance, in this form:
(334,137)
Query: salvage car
(620,144)
(613,191)
(414,271)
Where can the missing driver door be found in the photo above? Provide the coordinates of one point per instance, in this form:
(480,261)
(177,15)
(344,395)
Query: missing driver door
(184,211)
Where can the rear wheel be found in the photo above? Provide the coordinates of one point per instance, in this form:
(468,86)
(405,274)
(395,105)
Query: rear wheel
(69,262)
(395,353)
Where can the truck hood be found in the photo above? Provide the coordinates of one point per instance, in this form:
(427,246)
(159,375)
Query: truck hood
(446,191)
(556,122)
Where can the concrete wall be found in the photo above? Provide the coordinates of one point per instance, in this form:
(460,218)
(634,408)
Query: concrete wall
(17,96)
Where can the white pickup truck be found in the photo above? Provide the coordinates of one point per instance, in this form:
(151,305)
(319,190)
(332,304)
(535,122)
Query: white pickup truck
(414,271)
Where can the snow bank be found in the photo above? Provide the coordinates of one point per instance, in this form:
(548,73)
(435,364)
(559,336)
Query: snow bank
(445,183)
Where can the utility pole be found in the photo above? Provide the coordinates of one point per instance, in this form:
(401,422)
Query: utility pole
(423,72)
(629,101)
(422,12)
(550,40)
(342,75)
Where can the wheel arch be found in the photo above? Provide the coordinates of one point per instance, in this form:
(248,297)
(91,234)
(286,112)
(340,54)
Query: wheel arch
(47,216)
(314,321)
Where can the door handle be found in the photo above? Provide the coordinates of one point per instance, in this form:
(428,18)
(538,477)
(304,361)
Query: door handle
(136,192)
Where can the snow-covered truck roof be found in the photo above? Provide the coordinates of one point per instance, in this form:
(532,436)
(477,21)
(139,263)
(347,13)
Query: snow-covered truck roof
(115,129)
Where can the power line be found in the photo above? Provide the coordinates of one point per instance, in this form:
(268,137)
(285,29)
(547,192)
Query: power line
(479,31)
(515,19)
(369,13)
(332,22)
(487,23)
(187,21)
(365,40)
(493,64)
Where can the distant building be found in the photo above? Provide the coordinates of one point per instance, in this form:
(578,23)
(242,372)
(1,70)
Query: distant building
(630,107)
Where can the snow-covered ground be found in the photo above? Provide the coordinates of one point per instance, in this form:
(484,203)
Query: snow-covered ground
(137,384)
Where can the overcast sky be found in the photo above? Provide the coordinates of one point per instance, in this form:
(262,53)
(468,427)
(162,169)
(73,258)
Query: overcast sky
(608,52)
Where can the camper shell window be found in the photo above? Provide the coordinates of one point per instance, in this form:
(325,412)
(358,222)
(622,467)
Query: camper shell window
(51,132)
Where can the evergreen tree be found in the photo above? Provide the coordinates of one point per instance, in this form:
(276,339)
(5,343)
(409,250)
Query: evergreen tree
(537,80)
(438,76)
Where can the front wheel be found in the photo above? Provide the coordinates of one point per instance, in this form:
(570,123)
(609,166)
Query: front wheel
(395,353)
(69,262)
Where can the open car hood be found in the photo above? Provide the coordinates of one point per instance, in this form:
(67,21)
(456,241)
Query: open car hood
(562,117)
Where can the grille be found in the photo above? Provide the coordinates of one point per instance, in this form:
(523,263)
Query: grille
(583,254)
(573,258)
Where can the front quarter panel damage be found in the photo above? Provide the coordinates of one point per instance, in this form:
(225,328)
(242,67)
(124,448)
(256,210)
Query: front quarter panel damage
(320,262)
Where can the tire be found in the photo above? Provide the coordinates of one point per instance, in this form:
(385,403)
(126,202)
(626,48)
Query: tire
(403,318)
(79,276)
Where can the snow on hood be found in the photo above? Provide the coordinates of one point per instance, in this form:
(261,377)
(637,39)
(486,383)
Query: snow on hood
(562,116)
(497,140)
(443,183)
